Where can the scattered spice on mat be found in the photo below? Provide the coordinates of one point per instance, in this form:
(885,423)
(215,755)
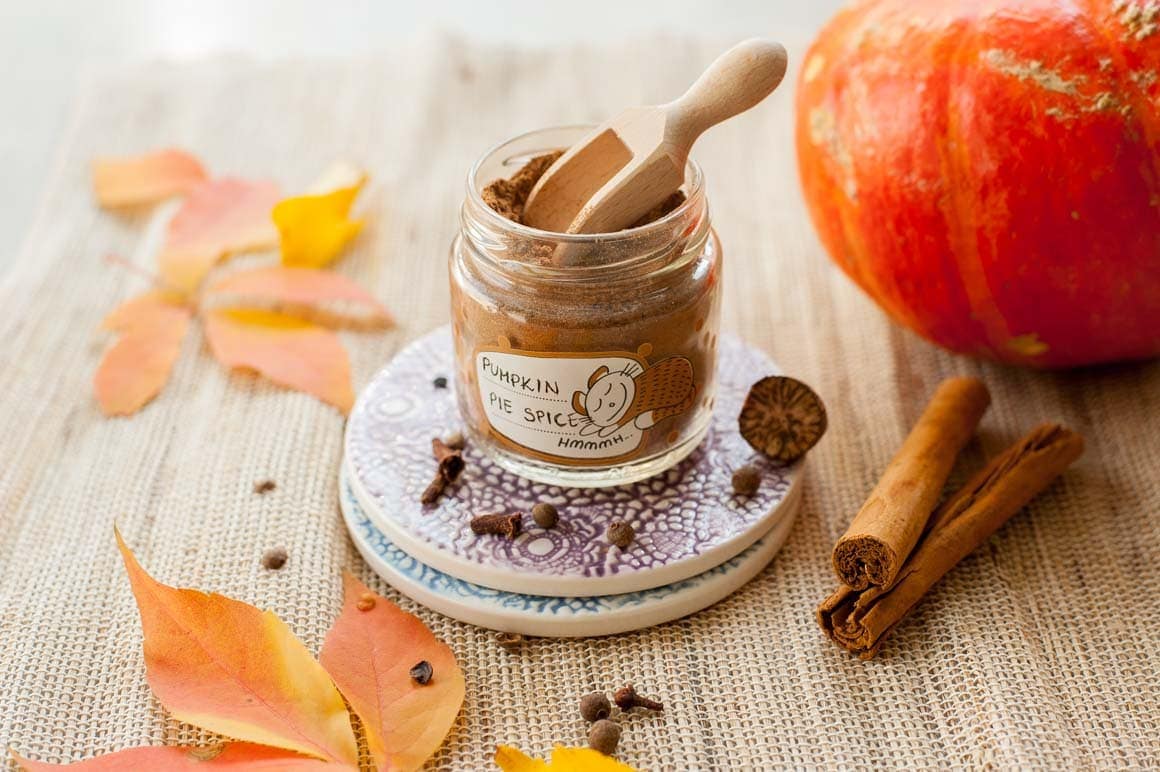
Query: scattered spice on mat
(620,534)
(595,706)
(507,197)
(545,515)
(450,462)
(274,559)
(440,382)
(497,524)
(510,641)
(746,480)
(782,418)
(626,698)
(604,736)
(859,620)
(262,487)
(889,524)
(422,673)
(366,602)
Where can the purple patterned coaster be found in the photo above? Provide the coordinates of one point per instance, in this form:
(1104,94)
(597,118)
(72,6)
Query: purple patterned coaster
(687,520)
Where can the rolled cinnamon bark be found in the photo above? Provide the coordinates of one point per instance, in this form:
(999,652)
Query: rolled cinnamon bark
(859,621)
(889,524)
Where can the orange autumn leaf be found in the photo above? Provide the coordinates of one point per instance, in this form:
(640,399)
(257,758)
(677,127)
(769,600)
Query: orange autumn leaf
(289,351)
(563,759)
(135,368)
(369,653)
(302,288)
(173,758)
(219,218)
(145,179)
(314,228)
(231,668)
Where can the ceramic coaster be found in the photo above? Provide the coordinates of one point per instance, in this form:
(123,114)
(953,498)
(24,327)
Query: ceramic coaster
(687,519)
(548,616)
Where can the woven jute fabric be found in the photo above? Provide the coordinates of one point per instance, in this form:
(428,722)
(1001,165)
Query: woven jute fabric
(1038,651)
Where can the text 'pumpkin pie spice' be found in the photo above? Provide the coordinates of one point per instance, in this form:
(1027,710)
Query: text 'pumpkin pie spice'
(595,370)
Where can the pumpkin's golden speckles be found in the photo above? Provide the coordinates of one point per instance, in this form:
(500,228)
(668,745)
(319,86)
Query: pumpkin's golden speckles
(824,133)
(1139,19)
(814,66)
(1028,345)
(1074,215)
(1030,70)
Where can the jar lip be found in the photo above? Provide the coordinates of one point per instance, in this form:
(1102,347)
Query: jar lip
(694,187)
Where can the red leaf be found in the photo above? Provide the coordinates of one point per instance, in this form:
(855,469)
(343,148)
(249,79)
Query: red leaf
(302,288)
(230,668)
(288,351)
(220,217)
(162,758)
(369,653)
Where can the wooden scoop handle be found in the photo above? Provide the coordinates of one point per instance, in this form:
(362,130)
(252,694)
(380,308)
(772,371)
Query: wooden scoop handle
(736,81)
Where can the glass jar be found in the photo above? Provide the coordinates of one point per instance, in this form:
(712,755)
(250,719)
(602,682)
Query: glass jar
(583,360)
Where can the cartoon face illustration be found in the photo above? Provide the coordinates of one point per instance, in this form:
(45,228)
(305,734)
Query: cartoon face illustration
(642,397)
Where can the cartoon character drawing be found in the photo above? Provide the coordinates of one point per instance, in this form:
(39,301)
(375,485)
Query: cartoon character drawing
(642,397)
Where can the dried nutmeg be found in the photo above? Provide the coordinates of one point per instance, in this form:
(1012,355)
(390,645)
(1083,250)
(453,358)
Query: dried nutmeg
(626,698)
(595,706)
(422,673)
(604,736)
(746,480)
(545,515)
(620,533)
(450,462)
(497,524)
(782,418)
(510,641)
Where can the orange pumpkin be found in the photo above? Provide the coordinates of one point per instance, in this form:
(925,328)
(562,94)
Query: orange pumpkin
(989,172)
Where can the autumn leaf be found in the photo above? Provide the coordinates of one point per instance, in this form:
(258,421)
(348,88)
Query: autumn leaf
(564,759)
(369,653)
(145,179)
(228,667)
(133,370)
(303,290)
(289,351)
(219,218)
(316,227)
(172,758)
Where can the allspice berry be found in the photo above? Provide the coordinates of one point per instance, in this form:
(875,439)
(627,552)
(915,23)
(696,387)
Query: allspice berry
(545,515)
(595,706)
(604,736)
(746,480)
(620,533)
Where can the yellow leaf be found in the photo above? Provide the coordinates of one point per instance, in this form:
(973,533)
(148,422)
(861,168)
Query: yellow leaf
(231,668)
(316,227)
(289,351)
(564,759)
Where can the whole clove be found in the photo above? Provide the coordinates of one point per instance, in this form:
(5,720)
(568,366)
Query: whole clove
(497,524)
(422,672)
(451,464)
(626,698)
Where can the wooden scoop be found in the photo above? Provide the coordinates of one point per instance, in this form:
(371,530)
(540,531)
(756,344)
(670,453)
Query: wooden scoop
(624,168)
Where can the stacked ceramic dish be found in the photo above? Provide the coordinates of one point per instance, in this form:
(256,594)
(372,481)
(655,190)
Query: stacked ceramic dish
(695,540)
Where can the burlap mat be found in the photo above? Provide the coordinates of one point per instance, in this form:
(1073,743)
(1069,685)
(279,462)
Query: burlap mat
(1040,650)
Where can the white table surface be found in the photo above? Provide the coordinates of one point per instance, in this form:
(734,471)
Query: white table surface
(46,46)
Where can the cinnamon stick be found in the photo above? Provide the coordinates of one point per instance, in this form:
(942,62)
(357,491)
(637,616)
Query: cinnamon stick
(891,521)
(859,620)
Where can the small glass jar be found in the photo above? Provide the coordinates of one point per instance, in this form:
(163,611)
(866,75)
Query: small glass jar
(583,360)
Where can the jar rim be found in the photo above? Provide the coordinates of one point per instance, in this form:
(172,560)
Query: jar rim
(694,192)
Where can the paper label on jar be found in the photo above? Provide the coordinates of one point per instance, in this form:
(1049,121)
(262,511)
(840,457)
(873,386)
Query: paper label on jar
(588,407)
